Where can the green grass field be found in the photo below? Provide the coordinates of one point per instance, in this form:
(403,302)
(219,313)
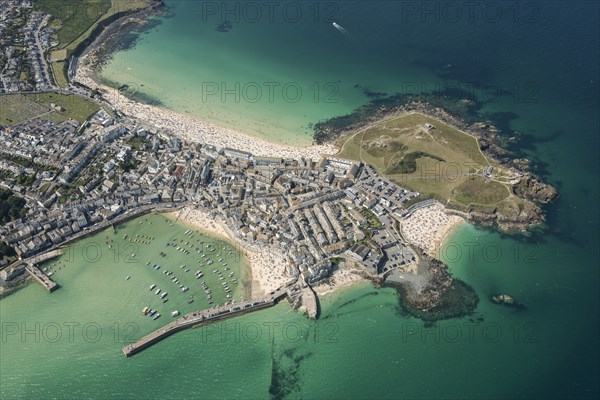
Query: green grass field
(442,163)
(75,20)
(17,108)
(73,17)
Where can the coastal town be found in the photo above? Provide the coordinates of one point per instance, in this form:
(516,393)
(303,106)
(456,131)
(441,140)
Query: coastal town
(239,199)
(79,178)
(85,158)
(25,38)
(79,157)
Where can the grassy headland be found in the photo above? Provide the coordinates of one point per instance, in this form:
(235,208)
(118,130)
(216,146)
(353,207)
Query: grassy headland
(433,158)
(75,21)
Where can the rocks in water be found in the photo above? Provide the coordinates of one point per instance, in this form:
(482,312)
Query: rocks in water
(224,26)
(506,300)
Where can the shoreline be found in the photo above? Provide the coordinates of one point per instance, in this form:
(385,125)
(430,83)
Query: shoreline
(263,274)
(260,261)
(204,223)
(429,228)
(186,127)
(195,130)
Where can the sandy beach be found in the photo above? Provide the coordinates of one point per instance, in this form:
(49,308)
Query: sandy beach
(341,278)
(267,266)
(429,227)
(192,129)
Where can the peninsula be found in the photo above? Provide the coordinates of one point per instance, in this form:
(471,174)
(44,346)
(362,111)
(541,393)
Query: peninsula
(356,206)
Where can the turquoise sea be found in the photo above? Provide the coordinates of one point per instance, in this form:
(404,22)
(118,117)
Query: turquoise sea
(532,67)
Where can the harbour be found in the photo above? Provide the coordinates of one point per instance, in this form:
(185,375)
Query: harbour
(198,318)
(41,278)
(549,350)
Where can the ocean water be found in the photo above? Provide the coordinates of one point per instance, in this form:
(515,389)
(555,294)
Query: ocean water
(533,68)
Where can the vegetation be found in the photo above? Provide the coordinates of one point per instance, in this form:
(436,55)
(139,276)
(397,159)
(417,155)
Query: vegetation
(72,17)
(60,76)
(75,22)
(429,157)
(11,206)
(18,108)
(6,250)
(371,218)
(129,165)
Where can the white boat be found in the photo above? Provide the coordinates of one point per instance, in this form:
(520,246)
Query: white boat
(157,291)
(152,286)
(174,313)
(163,295)
(127,278)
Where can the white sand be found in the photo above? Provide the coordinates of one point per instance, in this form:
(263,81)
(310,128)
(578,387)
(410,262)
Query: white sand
(343,277)
(426,227)
(266,265)
(195,130)
(429,227)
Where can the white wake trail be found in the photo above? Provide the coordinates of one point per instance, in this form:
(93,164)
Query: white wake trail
(342,30)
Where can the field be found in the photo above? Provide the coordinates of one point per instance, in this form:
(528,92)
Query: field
(75,20)
(432,158)
(17,108)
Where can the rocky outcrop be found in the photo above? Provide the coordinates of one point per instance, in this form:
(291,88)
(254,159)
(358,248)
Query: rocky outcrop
(433,294)
(531,188)
(511,219)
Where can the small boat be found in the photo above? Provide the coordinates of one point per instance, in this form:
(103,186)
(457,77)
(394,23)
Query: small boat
(163,295)
(145,310)
(127,278)
(174,313)
(157,316)
(157,291)
(152,286)
(191,300)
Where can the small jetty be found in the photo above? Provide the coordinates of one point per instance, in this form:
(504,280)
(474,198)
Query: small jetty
(42,278)
(309,298)
(198,318)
